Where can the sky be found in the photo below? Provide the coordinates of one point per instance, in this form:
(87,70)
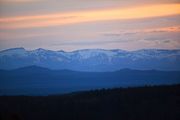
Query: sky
(87,24)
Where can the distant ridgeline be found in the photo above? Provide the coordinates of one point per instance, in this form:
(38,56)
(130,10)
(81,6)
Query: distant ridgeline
(42,81)
(42,72)
(94,60)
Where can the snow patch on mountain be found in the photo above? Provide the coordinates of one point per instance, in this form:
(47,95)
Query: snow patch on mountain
(91,59)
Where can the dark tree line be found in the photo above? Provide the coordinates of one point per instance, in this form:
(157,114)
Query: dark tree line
(142,103)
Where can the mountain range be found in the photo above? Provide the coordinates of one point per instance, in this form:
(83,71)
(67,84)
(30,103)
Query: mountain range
(93,60)
(34,80)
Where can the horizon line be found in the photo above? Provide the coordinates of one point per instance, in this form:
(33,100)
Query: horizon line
(41,48)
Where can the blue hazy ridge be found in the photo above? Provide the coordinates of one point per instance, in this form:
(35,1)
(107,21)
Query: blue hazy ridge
(34,80)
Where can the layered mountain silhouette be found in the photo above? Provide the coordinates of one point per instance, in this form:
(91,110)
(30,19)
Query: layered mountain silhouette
(94,60)
(38,80)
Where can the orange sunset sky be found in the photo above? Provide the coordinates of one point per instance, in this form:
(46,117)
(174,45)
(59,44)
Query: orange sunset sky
(84,24)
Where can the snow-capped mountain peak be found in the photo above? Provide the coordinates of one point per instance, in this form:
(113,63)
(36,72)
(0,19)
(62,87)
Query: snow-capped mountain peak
(91,59)
(13,51)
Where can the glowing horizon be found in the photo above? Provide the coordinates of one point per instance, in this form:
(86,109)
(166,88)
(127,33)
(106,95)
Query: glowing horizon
(77,24)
